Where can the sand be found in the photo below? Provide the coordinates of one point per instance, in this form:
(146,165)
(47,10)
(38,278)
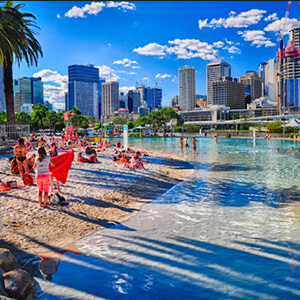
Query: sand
(99,195)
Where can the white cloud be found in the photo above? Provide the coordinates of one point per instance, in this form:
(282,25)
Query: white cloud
(56,87)
(107,73)
(279,25)
(233,49)
(145,79)
(163,76)
(183,49)
(151,49)
(135,67)
(244,19)
(95,7)
(126,62)
(125,89)
(58,16)
(121,5)
(109,44)
(271,17)
(257,37)
(128,73)
(231,42)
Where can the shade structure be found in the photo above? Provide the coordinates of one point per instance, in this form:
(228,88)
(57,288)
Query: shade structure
(139,127)
(293,123)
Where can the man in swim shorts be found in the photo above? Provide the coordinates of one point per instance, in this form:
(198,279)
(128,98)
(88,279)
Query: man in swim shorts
(20,152)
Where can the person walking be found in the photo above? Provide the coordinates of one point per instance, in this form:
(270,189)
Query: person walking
(41,165)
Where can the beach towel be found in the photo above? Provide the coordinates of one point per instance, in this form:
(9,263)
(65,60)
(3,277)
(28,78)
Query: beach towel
(62,166)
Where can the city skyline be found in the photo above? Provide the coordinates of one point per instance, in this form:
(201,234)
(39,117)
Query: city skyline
(149,41)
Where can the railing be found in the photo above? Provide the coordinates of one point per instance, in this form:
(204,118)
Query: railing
(15,131)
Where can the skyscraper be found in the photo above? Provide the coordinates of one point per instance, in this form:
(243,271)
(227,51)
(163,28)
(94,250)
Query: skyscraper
(214,71)
(254,83)
(143,92)
(262,73)
(2,96)
(83,89)
(154,97)
(101,80)
(187,87)
(110,99)
(28,91)
(134,101)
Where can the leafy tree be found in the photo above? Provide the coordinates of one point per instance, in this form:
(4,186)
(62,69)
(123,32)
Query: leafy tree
(118,120)
(91,119)
(75,110)
(38,115)
(3,118)
(80,121)
(23,118)
(143,120)
(130,124)
(60,123)
(17,40)
(51,119)
(97,126)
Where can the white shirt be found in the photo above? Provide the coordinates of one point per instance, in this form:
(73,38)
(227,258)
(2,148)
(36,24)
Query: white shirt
(42,167)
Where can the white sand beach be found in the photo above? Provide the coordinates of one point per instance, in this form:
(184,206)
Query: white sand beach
(99,195)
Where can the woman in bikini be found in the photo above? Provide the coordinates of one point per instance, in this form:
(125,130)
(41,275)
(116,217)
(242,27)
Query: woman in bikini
(20,152)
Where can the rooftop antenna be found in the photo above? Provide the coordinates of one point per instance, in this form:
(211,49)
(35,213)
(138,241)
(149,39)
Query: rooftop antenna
(218,55)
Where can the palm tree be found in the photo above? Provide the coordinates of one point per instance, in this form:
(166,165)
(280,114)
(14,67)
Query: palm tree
(17,41)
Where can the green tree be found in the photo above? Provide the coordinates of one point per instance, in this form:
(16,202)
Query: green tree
(91,119)
(38,115)
(75,110)
(80,121)
(22,118)
(130,124)
(97,126)
(3,118)
(118,120)
(51,119)
(60,123)
(17,40)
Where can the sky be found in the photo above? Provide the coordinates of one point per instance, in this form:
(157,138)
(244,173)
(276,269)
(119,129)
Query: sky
(148,41)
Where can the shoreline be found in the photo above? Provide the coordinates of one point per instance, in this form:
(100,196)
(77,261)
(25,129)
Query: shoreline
(99,195)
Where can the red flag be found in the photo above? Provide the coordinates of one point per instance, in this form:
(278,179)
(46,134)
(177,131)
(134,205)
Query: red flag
(62,166)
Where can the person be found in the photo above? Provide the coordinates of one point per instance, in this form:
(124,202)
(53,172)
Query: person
(20,152)
(118,144)
(181,144)
(31,160)
(215,136)
(136,162)
(237,132)
(291,149)
(93,157)
(41,165)
(53,153)
(194,144)
(82,159)
(186,143)
(28,144)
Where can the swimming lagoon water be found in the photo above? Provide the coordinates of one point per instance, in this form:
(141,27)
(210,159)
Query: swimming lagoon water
(231,231)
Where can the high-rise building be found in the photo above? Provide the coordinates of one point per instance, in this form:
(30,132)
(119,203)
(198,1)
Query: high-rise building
(134,101)
(101,80)
(214,71)
(187,87)
(83,89)
(272,80)
(262,74)
(154,97)
(28,91)
(143,92)
(49,105)
(2,96)
(254,83)
(122,100)
(110,99)
(174,101)
(229,92)
(288,58)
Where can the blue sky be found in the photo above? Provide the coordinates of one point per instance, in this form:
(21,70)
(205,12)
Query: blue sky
(147,41)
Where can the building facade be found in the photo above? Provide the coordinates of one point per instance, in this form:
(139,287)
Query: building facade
(2,96)
(143,93)
(253,83)
(154,97)
(134,101)
(187,87)
(101,80)
(28,91)
(110,99)
(229,92)
(262,73)
(214,71)
(83,89)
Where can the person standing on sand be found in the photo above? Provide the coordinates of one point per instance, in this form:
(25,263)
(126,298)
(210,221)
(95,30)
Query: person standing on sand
(53,153)
(20,152)
(181,144)
(41,165)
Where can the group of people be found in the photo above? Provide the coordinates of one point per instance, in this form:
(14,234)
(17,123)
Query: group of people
(39,164)
(186,144)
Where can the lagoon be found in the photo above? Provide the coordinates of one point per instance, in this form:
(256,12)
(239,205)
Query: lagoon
(230,231)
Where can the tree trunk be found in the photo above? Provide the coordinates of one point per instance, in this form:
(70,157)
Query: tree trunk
(9,96)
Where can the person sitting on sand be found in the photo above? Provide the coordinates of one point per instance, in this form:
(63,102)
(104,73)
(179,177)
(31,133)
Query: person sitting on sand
(31,160)
(41,166)
(20,152)
(136,162)
(118,144)
(124,160)
(93,157)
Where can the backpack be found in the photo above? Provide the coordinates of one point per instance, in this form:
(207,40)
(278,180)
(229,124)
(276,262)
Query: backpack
(57,199)
(27,178)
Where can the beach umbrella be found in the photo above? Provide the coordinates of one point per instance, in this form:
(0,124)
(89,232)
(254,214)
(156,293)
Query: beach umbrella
(293,123)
